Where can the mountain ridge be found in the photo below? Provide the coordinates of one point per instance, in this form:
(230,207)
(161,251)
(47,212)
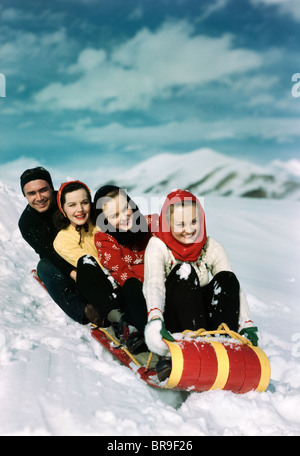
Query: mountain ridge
(207,172)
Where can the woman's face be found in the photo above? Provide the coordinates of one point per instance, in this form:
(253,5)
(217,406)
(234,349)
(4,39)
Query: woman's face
(118,212)
(77,207)
(185,223)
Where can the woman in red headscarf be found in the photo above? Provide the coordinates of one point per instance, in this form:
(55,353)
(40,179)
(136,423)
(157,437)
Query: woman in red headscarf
(179,263)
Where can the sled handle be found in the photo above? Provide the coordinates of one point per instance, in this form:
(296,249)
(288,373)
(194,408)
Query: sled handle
(222,329)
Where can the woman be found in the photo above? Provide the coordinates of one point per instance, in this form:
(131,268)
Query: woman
(75,243)
(178,263)
(121,243)
(76,221)
(124,234)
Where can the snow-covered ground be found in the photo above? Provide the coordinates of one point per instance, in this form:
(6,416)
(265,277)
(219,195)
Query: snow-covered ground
(56,380)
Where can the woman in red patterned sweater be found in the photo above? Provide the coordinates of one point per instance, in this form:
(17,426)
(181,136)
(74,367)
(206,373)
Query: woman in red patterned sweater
(121,245)
(124,234)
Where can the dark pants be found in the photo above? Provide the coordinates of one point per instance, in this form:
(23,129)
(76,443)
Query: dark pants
(189,306)
(63,290)
(97,288)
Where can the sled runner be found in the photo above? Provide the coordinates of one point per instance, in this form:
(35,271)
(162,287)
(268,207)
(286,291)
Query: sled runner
(201,361)
(142,364)
(36,277)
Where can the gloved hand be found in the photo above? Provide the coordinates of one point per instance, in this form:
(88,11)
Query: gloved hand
(155,331)
(250,334)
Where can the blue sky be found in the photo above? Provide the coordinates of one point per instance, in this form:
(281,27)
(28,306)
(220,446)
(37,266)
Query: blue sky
(108,83)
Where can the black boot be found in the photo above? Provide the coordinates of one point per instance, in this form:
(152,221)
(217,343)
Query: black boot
(134,342)
(163,369)
(93,316)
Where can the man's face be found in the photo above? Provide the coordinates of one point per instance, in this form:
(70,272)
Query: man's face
(39,194)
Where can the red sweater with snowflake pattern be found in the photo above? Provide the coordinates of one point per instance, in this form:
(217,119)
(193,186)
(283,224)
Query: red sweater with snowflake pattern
(123,261)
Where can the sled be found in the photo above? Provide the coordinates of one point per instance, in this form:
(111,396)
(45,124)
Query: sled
(201,361)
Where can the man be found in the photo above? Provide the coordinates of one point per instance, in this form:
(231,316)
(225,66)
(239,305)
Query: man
(37,228)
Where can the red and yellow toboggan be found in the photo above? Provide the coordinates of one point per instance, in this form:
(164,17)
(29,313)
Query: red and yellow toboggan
(201,361)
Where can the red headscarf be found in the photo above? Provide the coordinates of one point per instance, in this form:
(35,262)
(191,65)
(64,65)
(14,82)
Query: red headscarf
(182,252)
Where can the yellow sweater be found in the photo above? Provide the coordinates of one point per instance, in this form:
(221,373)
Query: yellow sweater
(70,247)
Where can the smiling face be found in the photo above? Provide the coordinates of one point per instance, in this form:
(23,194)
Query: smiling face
(185,223)
(77,207)
(39,195)
(118,212)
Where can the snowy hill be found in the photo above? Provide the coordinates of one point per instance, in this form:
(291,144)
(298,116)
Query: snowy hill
(207,172)
(56,380)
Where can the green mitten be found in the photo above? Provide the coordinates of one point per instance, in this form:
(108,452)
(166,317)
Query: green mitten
(165,333)
(250,334)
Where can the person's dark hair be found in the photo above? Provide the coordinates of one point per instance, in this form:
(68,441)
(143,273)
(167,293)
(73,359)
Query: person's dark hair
(33,174)
(60,220)
(140,227)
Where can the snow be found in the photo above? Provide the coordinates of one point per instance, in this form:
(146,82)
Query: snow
(184,271)
(212,173)
(56,380)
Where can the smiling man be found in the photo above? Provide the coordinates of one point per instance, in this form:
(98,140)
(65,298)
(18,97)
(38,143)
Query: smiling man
(39,195)
(38,229)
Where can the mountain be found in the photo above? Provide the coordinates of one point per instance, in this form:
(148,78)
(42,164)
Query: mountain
(206,172)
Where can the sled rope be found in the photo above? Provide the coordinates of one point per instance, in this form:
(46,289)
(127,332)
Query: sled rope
(222,329)
(116,342)
(149,361)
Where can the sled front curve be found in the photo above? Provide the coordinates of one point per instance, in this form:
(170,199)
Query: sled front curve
(204,363)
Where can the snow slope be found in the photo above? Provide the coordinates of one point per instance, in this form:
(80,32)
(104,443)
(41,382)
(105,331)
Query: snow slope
(56,380)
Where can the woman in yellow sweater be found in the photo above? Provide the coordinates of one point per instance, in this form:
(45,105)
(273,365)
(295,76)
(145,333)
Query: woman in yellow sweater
(76,221)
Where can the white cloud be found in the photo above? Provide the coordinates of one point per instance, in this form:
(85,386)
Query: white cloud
(22,51)
(187,131)
(290,7)
(147,67)
(10,172)
(93,172)
(136,14)
(88,60)
(12,15)
(212,8)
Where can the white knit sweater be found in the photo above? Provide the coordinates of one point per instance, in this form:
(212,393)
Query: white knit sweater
(159,261)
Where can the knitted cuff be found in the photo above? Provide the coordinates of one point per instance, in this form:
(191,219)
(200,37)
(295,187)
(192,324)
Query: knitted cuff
(155,312)
(245,324)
